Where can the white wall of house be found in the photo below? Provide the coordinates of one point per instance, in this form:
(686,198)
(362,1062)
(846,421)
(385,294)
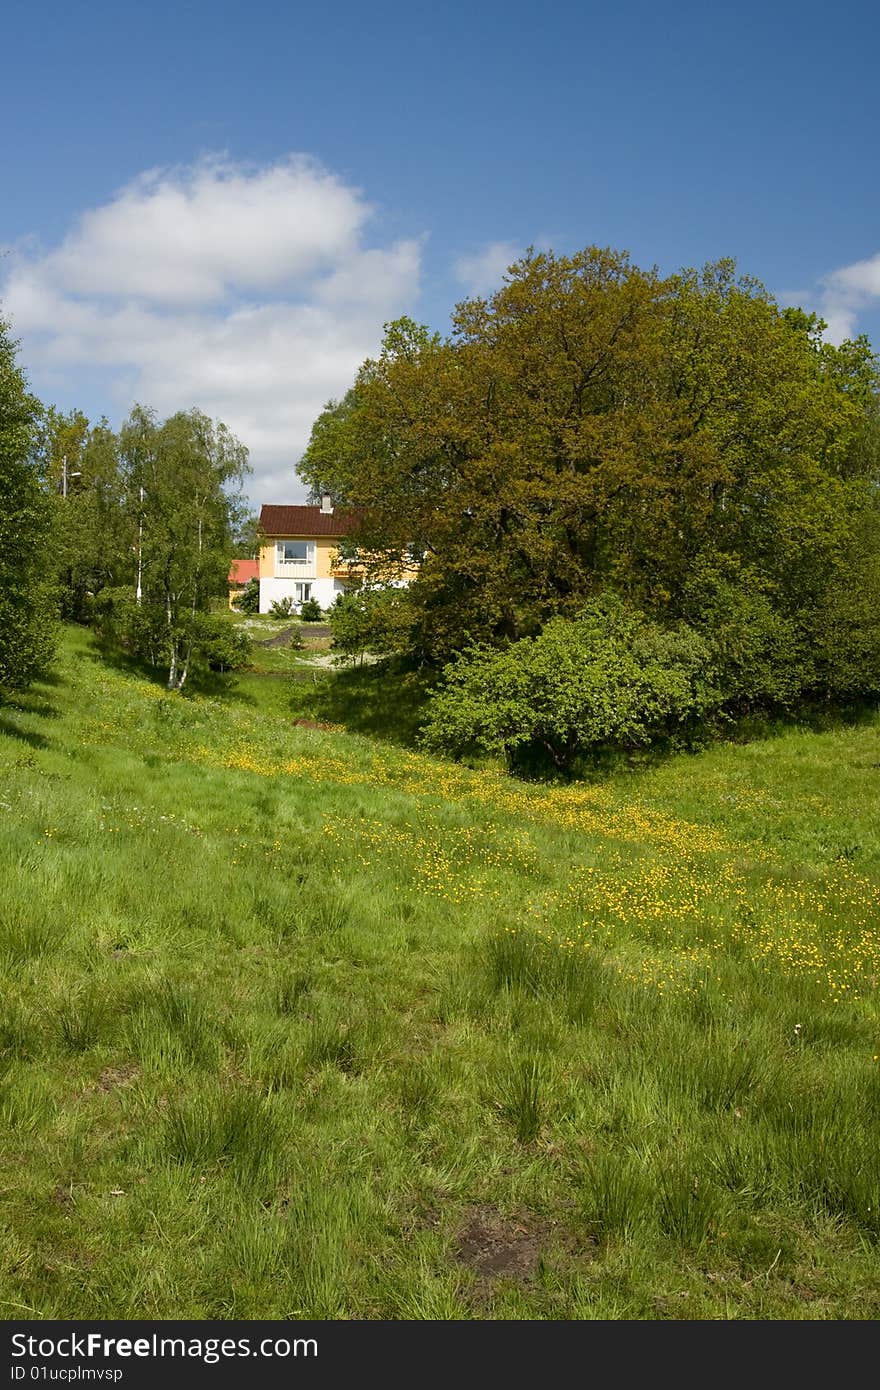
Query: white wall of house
(299,588)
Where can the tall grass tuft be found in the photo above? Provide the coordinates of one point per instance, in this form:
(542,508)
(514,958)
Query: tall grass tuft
(521,1097)
(418,1087)
(522,961)
(78,1022)
(19,1036)
(234,1129)
(173,1027)
(331,1042)
(291,988)
(687,1203)
(615,1194)
(27,935)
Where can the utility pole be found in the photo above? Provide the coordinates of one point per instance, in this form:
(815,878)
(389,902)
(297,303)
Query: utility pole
(65,475)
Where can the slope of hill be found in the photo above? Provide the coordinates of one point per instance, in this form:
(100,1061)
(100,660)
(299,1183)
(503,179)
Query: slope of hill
(298,1024)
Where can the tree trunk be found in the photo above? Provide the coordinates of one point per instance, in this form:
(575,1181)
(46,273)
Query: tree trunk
(185,671)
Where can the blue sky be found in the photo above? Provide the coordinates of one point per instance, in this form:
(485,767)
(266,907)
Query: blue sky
(219,205)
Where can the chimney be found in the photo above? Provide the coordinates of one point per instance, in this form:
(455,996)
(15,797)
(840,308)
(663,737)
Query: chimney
(326,503)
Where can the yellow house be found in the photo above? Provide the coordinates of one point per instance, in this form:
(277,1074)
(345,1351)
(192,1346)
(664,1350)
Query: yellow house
(299,546)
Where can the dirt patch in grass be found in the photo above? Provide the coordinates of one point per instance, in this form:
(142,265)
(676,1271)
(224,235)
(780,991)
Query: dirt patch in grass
(112,1078)
(280,639)
(497,1247)
(502,1250)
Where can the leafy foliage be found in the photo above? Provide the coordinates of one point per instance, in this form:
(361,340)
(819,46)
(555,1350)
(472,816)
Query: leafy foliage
(249,599)
(246,534)
(92,542)
(607,677)
(844,624)
(26,638)
(220,645)
(595,426)
(310,611)
(374,620)
(179,481)
(759,656)
(210,639)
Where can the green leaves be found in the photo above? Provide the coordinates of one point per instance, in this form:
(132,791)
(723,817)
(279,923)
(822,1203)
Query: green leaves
(26,636)
(608,677)
(179,481)
(593,425)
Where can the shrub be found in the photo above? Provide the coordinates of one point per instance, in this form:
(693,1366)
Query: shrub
(608,677)
(310,612)
(210,639)
(282,608)
(378,621)
(249,598)
(758,656)
(843,629)
(136,628)
(220,645)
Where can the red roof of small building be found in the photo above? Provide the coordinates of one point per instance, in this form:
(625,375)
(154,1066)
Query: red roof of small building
(240,571)
(307,521)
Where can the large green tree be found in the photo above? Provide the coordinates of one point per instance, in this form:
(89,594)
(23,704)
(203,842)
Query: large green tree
(593,425)
(25,594)
(91,541)
(181,481)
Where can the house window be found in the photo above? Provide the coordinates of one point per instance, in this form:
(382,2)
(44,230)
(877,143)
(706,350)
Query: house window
(294,552)
(302,592)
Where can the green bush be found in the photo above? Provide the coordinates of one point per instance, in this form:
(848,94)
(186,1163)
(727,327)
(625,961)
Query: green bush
(282,608)
(758,656)
(310,612)
(610,677)
(378,621)
(134,627)
(210,640)
(220,645)
(249,598)
(843,629)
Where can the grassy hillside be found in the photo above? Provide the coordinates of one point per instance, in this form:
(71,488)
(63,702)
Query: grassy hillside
(298,1024)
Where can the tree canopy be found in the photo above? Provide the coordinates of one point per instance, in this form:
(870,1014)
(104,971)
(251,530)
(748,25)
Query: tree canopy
(179,482)
(25,591)
(593,425)
(91,547)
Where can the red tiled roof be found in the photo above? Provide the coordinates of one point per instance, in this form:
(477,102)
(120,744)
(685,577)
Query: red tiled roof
(307,521)
(240,571)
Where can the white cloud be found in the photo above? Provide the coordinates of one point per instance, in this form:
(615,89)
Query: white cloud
(846,293)
(863,277)
(187,236)
(250,292)
(481,273)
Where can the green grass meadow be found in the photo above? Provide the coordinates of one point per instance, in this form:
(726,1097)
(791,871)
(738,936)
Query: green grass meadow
(300,1023)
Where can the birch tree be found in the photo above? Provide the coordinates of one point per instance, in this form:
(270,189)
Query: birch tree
(90,543)
(182,481)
